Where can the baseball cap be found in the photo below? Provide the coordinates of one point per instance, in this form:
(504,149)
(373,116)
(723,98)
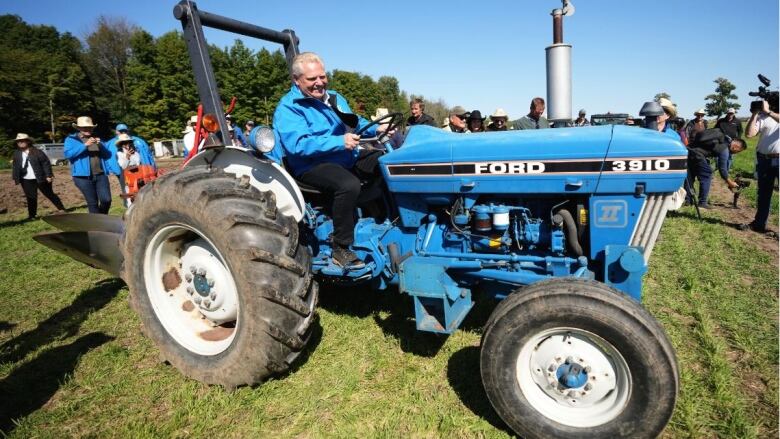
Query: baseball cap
(122,127)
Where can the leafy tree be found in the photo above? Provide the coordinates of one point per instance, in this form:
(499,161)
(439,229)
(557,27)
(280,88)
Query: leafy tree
(106,59)
(722,99)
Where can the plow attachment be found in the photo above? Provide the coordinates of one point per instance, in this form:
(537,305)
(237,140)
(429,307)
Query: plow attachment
(89,238)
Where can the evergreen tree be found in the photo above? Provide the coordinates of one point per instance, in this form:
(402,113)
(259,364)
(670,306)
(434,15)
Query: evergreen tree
(722,99)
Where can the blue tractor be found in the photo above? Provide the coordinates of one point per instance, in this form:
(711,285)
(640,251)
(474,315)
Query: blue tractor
(223,257)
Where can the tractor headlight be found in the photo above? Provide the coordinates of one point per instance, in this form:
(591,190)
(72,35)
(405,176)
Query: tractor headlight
(262,138)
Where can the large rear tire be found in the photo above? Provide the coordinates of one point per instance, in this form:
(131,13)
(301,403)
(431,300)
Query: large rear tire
(218,277)
(570,358)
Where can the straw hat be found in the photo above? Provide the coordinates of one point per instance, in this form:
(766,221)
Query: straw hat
(499,113)
(669,106)
(22,136)
(84,122)
(731,111)
(123,138)
(700,111)
(193,120)
(380,112)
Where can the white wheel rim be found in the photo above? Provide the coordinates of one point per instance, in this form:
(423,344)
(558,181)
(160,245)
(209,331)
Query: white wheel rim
(598,397)
(199,309)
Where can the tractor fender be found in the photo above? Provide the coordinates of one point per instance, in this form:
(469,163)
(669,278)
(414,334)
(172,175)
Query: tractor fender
(264,174)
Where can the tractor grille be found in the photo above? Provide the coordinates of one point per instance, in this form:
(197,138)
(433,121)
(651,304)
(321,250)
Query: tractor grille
(650,221)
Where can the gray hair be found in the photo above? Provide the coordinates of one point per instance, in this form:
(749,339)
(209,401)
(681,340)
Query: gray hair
(304,58)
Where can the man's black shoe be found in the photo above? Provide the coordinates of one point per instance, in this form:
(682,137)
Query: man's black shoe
(752,226)
(343,257)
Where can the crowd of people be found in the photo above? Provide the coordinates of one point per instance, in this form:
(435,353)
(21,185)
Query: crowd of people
(315,128)
(92,161)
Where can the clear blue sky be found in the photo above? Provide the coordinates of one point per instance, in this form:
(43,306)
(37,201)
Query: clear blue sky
(488,55)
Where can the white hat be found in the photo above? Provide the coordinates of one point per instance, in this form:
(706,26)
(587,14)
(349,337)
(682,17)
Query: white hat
(668,105)
(731,111)
(84,122)
(380,112)
(194,120)
(700,111)
(499,113)
(123,138)
(23,136)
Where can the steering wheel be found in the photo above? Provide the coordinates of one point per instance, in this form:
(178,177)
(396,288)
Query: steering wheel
(393,120)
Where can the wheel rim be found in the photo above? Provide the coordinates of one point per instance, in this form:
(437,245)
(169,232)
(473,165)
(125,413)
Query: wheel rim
(573,377)
(191,290)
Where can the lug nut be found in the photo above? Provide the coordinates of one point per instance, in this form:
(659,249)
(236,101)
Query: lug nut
(572,394)
(210,281)
(196,299)
(202,271)
(587,369)
(188,277)
(190,290)
(207,303)
(569,360)
(213,296)
(193,270)
(551,368)
(588,386)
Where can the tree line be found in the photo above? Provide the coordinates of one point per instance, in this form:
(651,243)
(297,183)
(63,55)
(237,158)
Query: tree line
(121,73)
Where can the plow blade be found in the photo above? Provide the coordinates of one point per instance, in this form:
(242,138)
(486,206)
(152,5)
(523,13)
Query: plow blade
(87,222)
(88,238)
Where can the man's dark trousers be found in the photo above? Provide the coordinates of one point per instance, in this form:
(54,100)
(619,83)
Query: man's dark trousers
(766,170)
(699,167)
(344,185)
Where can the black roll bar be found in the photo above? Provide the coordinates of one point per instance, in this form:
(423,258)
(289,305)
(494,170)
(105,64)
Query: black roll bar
(192,22)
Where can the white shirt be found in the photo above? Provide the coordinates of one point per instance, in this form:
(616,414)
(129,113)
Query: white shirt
(768,128)
(124,162)
(30,174)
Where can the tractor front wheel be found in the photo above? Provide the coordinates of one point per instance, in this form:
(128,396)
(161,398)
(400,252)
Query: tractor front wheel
(571,358)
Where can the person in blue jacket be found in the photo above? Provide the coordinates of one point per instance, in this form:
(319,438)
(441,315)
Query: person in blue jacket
(236,130)
(89,165)
(314,128)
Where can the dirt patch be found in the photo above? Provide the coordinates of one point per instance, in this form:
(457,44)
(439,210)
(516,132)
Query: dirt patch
(12,197)
(721,201)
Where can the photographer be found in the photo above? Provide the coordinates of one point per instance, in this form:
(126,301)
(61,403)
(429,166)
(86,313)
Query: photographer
(705,145)
(89,164)
(764,121)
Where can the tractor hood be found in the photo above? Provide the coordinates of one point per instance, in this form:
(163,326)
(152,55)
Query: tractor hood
(564,160)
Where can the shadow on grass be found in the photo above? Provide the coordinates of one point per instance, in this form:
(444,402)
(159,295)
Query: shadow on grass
(27,220)
(62,324)
(32,384)
(6,326)
(363,302)
(464,378)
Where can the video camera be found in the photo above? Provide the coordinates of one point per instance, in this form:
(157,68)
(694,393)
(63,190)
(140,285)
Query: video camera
(765,95)
(741,184)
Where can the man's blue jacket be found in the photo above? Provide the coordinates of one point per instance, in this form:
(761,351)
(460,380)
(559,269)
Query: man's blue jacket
(308,132)
(76,152)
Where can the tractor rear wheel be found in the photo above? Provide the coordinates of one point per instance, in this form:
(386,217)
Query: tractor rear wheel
(570,358)
(218,277)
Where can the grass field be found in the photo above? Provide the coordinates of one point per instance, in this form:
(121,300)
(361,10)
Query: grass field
(74,363)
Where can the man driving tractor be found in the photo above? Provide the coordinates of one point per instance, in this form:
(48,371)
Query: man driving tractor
(315,132)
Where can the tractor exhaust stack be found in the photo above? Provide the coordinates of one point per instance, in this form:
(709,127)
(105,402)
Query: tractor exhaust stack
(559,70)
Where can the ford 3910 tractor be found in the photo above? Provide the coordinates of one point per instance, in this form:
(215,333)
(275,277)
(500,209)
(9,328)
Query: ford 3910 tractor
(223,257)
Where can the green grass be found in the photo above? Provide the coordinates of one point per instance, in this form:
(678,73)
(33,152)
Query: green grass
(76,364)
